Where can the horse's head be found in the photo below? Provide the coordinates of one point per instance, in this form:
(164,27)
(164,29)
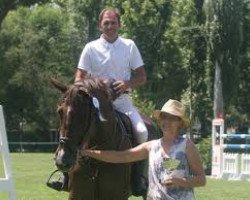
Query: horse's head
(79,110)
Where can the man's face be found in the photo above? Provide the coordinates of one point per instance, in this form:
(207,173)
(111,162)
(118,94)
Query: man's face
(109,25)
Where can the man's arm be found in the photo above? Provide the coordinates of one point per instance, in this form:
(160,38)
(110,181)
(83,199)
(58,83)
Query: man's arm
(80,74)
(138,78)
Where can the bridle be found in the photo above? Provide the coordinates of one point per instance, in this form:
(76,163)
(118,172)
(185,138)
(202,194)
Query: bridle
(92,117)
(68,142)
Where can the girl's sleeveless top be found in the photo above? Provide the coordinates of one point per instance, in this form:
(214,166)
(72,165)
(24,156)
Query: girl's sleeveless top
(162,165)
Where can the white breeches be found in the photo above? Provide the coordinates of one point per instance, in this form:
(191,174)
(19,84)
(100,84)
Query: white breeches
(124,104)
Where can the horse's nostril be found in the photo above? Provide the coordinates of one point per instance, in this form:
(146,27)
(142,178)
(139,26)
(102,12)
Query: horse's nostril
(65,162)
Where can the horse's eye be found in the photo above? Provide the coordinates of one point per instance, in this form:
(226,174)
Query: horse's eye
(60,111)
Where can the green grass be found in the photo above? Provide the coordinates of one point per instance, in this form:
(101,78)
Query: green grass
(31,170)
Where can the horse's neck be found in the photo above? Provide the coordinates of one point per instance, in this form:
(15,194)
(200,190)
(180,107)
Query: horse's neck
(104,132)
(106,105)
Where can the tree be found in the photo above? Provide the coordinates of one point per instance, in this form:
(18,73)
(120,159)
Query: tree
(224,19)
(179,41)
(239,109)
(35,44)
(7,5)
(154,27)
(242,102)
(196,95)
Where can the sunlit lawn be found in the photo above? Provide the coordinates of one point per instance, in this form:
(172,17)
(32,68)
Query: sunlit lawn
(31,171)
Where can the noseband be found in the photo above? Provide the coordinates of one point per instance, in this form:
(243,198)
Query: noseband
(67,142)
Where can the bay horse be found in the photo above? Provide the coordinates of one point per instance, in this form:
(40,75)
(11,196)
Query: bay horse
(87,118)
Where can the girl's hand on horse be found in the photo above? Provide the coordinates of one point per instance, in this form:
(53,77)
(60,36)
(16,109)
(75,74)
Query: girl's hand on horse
(86,152)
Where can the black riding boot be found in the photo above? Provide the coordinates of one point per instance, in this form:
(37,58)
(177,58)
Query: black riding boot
(61,184)
(139,178)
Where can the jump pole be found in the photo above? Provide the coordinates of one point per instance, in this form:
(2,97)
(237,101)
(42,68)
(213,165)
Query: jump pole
(217,149)
(6,183)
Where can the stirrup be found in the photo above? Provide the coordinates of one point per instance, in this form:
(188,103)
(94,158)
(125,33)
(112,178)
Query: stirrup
(58,185)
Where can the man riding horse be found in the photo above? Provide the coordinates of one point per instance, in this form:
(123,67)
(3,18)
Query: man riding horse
(114,57)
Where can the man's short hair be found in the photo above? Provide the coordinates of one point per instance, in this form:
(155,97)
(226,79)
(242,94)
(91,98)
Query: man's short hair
(113,10)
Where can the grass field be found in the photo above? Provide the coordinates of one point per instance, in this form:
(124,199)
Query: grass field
(31,171)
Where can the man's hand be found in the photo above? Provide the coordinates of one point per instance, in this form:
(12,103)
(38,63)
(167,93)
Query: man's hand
(120,86)
(80,75)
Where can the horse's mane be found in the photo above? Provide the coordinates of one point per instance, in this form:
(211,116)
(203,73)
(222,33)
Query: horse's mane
(90,86)
(93,85)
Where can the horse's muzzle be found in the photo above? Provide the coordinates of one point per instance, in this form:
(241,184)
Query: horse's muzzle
(65,160)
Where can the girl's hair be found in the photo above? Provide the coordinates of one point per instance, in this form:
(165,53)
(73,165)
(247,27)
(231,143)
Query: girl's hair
(185,123)
(113,10)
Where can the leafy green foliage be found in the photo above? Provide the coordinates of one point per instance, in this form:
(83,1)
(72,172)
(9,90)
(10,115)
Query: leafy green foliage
(179,42)
(205,150)
(145,106)
(38,46)
(224,40)
(8,5)
(154,22)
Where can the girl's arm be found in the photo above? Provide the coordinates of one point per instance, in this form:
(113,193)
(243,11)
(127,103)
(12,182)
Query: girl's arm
(196,167)
(139,152)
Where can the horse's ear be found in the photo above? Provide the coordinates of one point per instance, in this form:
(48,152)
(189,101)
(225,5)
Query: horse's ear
(57,84)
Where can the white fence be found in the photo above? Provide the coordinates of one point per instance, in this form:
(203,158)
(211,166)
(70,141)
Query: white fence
(231,160)
(236,166)
(6,183)
(245,167)
(231,165)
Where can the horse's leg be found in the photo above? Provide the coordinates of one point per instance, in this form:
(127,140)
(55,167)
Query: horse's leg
(114,182)
(81,187)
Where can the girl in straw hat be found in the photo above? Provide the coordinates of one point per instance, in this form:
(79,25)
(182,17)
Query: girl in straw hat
(175,166)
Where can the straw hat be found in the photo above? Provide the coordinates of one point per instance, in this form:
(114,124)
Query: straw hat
(173,107)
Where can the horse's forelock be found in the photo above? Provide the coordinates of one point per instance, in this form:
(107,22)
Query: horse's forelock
(90,86)
(95,85)
(74,97)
